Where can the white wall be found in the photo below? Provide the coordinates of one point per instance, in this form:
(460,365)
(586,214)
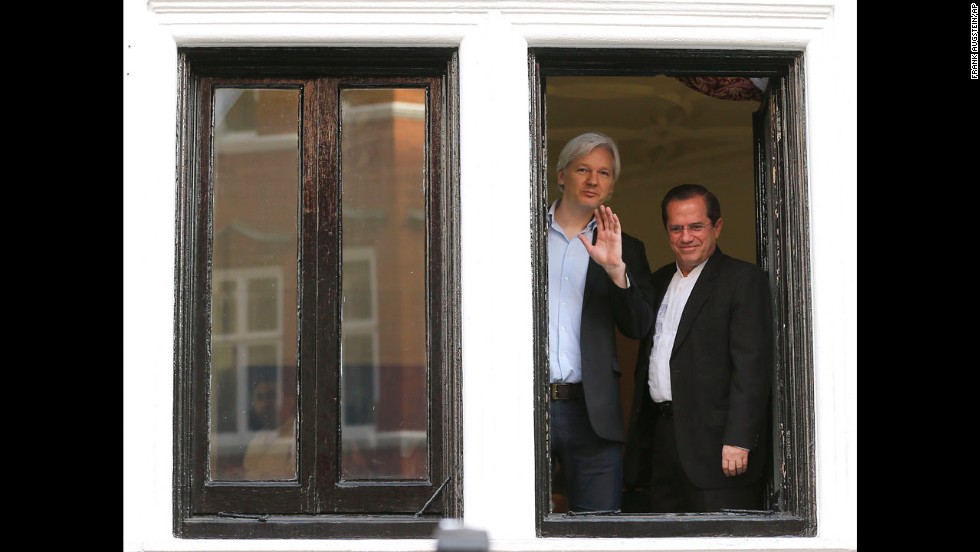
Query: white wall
(493,37)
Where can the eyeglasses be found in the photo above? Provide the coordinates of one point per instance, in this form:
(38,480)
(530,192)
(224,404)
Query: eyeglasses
(692,228)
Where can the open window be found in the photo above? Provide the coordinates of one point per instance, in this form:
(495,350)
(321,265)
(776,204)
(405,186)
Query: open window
(645,101)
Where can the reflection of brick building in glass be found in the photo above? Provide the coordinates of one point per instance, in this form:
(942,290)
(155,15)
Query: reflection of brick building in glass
(383,137)
(256,213)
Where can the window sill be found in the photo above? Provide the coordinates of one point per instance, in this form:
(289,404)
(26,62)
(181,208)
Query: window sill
(735,524)
(309,527)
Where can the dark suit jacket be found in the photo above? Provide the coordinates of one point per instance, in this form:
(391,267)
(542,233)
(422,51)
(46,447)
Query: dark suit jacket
(605,307)
(721,370)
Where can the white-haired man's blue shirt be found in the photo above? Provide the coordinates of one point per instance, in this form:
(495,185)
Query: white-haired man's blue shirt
(568,263)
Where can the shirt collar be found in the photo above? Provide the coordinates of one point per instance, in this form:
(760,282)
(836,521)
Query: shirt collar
(696,271)
(551,218)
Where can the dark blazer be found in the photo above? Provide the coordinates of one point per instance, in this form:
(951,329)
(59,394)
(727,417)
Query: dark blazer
(605,307)
(721,371)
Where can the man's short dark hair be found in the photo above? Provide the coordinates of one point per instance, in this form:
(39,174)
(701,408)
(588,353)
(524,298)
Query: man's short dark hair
(684,192)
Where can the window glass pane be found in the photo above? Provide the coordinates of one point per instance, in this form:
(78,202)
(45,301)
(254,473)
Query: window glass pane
(263,311)
(223,307)
(358,288)
(263,408)
(225,384)
(383,326)
(271,450)
(359,393)
(253,328)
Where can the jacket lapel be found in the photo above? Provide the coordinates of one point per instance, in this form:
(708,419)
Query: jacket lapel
(699,295)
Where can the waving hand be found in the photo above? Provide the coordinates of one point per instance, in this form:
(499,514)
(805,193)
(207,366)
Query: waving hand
(608,248)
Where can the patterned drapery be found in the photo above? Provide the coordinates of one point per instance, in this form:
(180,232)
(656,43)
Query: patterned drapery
(728,88)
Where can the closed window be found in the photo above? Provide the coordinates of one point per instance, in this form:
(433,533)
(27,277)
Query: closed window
(317,320)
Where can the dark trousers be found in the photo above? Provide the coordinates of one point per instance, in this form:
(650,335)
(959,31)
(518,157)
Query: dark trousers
(591,467)
(672,491)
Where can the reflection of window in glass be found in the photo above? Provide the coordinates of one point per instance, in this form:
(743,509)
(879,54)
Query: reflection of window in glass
(224,373)
(382,152)
(246,367)
(224,309)
(263,311)
(360,392)
(318,316)
(255,192)
(359,351)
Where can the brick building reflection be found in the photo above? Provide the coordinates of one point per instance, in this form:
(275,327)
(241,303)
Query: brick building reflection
(257,206)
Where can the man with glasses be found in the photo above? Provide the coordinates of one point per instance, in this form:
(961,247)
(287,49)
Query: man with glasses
(699,421)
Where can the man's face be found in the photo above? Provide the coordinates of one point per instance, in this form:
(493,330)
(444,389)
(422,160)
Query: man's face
(264,403)
(588,180)
(691,247)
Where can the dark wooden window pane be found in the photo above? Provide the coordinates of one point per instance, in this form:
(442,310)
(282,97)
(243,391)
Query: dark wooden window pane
(317,380)
(254,212)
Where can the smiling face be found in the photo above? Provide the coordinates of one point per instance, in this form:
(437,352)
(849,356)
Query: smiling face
(587,181)
(691,247)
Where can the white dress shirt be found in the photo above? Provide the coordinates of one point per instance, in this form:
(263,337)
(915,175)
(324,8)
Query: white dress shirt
(668,318)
